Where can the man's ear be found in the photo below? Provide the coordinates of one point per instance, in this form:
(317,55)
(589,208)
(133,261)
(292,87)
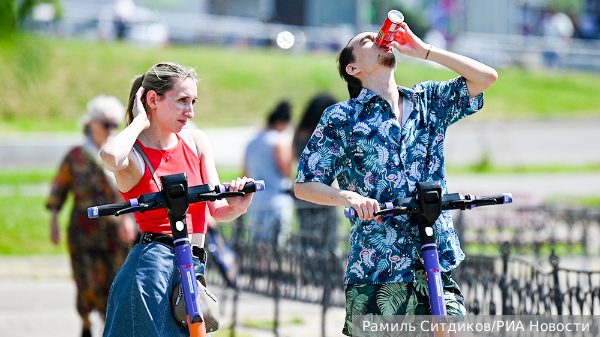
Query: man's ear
(352,69)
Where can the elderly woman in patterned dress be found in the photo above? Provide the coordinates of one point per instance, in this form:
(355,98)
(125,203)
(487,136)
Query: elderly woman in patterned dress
(97,247)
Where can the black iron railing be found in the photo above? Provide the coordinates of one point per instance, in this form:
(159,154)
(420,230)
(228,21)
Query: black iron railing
(501,284)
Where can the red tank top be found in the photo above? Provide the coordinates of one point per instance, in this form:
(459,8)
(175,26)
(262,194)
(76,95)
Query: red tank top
(178,159)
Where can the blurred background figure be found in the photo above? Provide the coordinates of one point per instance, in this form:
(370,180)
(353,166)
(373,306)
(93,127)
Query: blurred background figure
(98,247)
(558,30)
(124,16)
(222,254)
(123,20)
(268,157)
(318,223)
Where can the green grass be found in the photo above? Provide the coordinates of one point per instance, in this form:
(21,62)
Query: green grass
(25,222)
(226,332)
(545,249)
(485,167)
(47,83)
(268,324)
(25,226)
(27,176)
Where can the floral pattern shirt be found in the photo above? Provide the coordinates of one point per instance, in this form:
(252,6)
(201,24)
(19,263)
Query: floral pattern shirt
(360,143)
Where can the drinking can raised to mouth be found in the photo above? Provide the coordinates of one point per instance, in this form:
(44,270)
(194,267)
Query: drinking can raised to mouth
(390,28)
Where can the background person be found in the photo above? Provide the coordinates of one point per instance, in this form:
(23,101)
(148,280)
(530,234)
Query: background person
(124,11)
(160,104)
(269,157)
(318,223)
(558,29)
(97,247)
(378,145)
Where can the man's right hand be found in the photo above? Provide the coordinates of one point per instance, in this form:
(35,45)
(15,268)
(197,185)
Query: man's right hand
(322,194)
(364,207)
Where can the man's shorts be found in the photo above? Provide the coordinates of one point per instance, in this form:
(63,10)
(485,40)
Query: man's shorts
(410,298)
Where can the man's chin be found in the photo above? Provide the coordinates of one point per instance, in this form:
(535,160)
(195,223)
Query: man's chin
(389,61)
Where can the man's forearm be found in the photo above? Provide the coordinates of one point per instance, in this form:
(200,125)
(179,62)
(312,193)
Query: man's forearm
(321,194)
(478,75)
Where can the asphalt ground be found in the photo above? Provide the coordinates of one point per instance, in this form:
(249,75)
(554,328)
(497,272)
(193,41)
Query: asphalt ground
(512,143)
(37,298)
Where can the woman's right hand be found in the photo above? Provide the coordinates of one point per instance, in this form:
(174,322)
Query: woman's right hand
(138,108)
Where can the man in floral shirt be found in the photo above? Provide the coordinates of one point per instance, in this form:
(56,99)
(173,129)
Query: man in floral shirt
(378,145)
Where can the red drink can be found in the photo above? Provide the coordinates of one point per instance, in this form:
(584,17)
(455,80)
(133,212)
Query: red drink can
(390,28)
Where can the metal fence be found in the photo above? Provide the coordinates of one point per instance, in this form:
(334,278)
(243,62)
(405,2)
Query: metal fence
(501,284)
(512,286)
(573,230)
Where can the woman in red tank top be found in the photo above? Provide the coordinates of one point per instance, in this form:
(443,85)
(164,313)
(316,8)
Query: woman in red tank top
(160,104)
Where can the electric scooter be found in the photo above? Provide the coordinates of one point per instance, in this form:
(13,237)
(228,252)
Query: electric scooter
(176,197)
(427,207)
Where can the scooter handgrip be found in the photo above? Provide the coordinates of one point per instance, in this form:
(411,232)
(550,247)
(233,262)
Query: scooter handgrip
(110,209)
(251,187)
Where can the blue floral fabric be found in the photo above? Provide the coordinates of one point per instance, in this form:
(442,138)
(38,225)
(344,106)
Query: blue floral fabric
(361,143)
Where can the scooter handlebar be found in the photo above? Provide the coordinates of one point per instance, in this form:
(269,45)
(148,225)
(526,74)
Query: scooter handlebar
(151,201)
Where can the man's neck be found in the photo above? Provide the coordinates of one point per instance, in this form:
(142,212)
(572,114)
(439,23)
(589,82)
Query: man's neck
(386,87)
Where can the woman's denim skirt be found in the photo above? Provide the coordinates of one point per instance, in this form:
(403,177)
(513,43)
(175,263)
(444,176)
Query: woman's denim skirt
(139,303)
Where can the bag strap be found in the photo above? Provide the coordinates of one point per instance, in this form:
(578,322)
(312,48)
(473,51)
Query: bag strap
(147,161)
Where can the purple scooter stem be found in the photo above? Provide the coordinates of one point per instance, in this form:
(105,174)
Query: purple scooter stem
(434,279)
(183,254)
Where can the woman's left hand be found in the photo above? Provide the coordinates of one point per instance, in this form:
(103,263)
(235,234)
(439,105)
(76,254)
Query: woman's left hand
(240,204)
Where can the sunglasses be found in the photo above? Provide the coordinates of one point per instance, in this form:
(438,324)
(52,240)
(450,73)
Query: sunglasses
(109,125)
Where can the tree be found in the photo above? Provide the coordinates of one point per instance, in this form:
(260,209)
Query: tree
(7,18)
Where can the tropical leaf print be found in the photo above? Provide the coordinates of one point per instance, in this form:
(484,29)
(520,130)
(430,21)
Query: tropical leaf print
(326,155)
(313,160)
(420,283)
(453,307)
(419,150)
(384,129)
(357,270)
(390,236)
(359,303)
(382,155)
(375,122)
(391,297)
(434,164)
(338,113)
(361,128)
(411,306)
(415,171)
(360,142)
(366,255)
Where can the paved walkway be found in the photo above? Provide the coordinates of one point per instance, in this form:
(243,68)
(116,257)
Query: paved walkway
(37,298)
(551,142)
(518,143)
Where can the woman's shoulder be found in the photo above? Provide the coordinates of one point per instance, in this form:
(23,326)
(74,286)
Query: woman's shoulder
(193,132)
(198,136)
(77,153)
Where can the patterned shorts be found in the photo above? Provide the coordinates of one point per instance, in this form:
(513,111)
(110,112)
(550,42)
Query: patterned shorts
(410,298)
